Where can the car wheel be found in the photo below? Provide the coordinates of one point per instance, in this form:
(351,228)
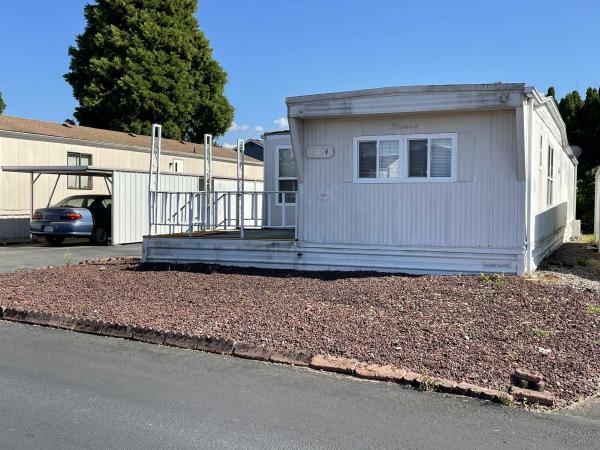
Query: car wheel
(54,240)
(100,236)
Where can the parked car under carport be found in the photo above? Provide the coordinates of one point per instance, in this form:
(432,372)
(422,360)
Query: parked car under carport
(128,191)
(78,216)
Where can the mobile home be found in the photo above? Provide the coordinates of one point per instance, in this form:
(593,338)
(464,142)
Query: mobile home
(418,179)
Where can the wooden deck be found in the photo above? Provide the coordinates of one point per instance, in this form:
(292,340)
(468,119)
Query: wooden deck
(267,234)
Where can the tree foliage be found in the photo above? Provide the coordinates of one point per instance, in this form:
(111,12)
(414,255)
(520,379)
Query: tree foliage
(140,62)
(582,119)
(2,104)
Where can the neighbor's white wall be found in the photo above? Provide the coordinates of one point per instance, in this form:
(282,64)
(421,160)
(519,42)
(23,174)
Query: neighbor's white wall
(483,210)
(271,161)
(551,223)
(15,187)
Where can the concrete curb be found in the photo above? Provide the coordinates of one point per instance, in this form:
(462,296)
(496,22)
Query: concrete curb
(223,346)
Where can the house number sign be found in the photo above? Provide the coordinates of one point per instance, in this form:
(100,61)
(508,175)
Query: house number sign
(319,151)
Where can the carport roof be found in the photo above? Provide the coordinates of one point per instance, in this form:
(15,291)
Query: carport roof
(61,170)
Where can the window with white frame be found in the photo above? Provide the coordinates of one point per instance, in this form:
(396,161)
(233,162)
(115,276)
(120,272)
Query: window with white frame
(405,158)
(286,176)
(79,181)
(550,186)
(177,165)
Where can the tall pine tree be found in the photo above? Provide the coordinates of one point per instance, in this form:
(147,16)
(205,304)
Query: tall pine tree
(140,62)
(2,104)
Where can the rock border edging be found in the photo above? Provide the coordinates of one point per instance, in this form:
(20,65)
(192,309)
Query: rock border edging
(213,344)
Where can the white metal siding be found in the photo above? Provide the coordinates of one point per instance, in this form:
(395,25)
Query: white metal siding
(551,223)
(130,202)
(480,213)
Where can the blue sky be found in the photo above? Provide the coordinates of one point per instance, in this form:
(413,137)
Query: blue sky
(273,49)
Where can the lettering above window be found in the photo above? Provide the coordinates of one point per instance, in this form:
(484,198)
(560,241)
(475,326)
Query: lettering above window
(397,159)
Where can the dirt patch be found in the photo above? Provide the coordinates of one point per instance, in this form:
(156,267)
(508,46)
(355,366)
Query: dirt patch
(466,328)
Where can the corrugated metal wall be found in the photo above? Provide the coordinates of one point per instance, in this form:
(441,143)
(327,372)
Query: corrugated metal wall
(482,209)
(130,202)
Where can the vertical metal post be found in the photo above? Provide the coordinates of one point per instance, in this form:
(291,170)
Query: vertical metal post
(154,173)
(208,141)
(241,147)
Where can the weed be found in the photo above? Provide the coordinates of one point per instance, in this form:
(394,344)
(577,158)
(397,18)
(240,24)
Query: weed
(583,262)
(68,258)
(497,279)
(540,332)
(592,308)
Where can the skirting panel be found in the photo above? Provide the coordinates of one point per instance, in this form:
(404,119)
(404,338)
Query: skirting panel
(279,254)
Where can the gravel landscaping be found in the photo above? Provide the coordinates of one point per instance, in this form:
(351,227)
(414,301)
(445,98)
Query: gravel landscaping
(476,329)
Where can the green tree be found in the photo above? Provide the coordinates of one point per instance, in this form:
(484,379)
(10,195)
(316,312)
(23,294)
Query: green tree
(582,119)
(2,104)
(140,62)
(551,92)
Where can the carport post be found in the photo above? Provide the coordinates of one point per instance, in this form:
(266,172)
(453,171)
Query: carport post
(52,193)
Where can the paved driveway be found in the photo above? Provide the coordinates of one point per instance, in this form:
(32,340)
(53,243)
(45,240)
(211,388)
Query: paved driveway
(65,390)
(28,256)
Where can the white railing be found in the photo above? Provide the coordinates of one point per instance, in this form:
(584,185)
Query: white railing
(187,212)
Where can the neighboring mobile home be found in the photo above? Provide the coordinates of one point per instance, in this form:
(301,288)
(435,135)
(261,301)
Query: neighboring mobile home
(25,142)
(419,179)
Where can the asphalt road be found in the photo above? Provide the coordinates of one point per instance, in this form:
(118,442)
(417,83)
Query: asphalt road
(66,390)
(29,256)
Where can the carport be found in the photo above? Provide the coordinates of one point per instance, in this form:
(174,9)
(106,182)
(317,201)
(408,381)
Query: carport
(128,190)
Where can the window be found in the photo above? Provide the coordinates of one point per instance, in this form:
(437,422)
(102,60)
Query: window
(79,181)
(177,165)
(286,176)
(379,158)
(549,198)
(405,158)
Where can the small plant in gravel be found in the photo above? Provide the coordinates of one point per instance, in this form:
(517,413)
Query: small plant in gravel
(540,332)
(592,308)
(582,262)
(68,258)
(497,279)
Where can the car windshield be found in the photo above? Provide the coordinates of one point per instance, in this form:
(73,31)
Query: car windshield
(75,202)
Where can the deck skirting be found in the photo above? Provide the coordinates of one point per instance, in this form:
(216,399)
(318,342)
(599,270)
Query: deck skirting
(286,254)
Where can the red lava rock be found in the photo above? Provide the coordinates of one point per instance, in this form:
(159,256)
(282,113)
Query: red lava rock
(333,364)
(215,345)
(380,373)
(181,340)
(527,395)
(465,328)
(250,351)
(291,357)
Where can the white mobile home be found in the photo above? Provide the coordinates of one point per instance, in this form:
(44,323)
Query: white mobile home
(33,143)
(421,179)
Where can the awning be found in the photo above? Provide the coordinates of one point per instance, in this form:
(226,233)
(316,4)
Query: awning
(61,170)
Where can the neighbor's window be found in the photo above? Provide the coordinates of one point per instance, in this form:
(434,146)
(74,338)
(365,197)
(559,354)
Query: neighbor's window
(177,165)
(379,158)
(79,181)
(549,198)
(286,176)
